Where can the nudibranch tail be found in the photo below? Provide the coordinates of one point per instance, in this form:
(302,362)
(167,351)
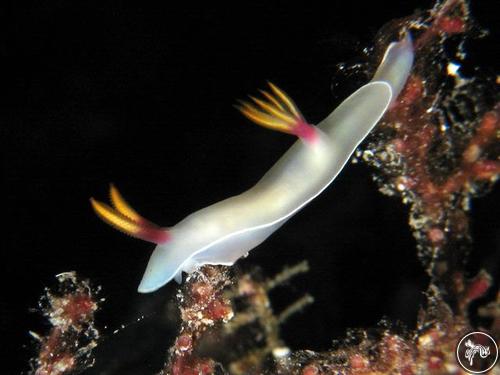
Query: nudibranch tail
(125,219)
(278,113)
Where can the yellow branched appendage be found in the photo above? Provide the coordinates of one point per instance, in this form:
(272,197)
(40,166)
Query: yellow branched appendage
(115,219)
(124,218)
(279,113)
(121,205)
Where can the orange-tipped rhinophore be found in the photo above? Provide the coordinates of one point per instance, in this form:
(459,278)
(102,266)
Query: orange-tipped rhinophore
(124,218)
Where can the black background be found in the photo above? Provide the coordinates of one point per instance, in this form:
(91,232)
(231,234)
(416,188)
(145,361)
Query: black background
(142,96)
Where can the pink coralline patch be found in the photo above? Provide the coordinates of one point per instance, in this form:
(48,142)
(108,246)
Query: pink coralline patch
(451,25)
(191,366)
(60,364)
(427,350)
(437,145)
(210,303)
(219,310)
(184,342)
(486,170)
(228,324)
(201,291)
(412,91)
(435,361)
(202,305)
(310,370)
(75,309)
(395,352)
(436,235)
(358,362)
(407,371)
(489,125)
(399,145)
(478,286)
(450,17)
(70,342)
(207,305)
(51,360)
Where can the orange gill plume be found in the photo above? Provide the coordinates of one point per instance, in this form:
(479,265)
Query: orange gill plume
(279,113)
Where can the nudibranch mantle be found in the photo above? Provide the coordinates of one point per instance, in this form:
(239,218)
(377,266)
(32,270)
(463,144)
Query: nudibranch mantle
(227,230)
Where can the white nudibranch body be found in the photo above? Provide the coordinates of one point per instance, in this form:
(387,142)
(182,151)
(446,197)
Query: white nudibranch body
(227,230)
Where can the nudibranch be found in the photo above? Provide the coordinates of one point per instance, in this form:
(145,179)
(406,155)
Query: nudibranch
(227,230)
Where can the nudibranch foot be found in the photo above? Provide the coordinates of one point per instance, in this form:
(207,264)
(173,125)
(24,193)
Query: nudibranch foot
(124,218)
(278,113)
